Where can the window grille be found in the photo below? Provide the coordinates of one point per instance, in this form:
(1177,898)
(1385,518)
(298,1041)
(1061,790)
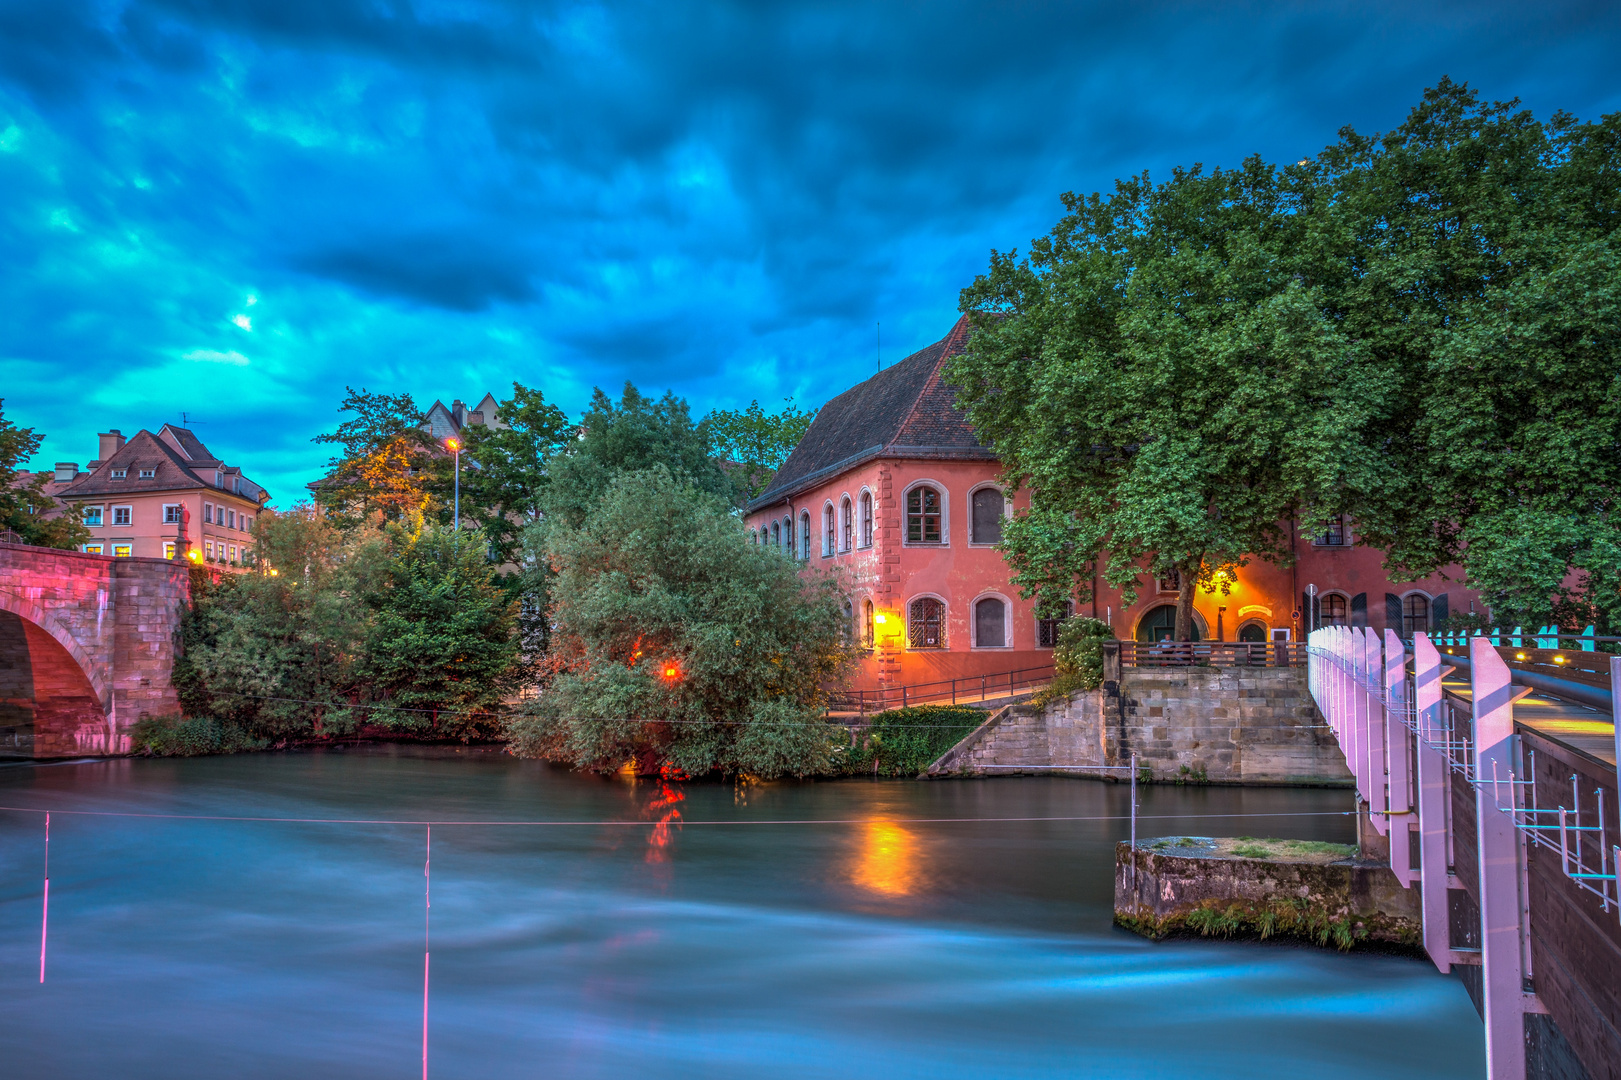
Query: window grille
(1047,629)
(926,624)
(171,513)
(1333,535)
(923,516)
(872,629)
(866,519)
(1333,611)
(122,515)
(1415,614)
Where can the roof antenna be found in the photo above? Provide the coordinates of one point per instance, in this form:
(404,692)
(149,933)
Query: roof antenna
(880,346)
(186,421)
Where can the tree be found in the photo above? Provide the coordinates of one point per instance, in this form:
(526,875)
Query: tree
(26,508)
(505,489)
(442,638)
(1473,254)
(1157,375)
(678,642)
(383,463)
(637,434)
(279,652)
(754,443)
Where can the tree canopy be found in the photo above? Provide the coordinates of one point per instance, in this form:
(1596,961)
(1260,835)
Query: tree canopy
(1418,329)
(753,443)
(382,464)
(26,508)
(675,641)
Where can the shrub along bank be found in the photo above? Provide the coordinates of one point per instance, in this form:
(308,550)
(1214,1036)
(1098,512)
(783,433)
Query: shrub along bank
(904,742)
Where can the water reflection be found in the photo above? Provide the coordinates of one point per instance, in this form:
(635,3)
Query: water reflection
(888,861)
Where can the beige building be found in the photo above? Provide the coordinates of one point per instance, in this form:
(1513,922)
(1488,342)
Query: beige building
(163,496)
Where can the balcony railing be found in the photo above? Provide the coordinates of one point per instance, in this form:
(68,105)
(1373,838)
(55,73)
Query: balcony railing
(1170,654)
(967,690)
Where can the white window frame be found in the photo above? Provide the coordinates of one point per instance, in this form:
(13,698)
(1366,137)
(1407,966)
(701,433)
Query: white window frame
(208,549)
(803,552)
(830,525)
(177,517)
(846,539)
(101,516)
(118,474)
(127,545)
(232,515)
(96,548)
(866,526)
(208,513)
(945,514)
(1007,621)
(168,549)
(1007,509)
(148,474)
(129,516)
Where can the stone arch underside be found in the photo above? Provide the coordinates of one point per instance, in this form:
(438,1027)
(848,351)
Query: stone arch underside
(49,706)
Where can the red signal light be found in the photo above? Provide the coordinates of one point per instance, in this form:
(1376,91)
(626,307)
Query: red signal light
(672,672)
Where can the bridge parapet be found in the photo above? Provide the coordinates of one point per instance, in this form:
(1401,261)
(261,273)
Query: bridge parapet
(87,648)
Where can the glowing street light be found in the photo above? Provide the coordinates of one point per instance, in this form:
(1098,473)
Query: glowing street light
(455,447)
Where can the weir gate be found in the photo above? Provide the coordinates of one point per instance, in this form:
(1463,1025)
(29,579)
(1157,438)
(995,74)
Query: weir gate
(1498,801)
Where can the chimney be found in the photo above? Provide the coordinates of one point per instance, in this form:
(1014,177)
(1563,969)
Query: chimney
(458,409)
(111,442)
(66,470)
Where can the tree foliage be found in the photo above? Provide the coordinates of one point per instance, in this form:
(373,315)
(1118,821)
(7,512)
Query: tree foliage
(26,508)
(505,489)
(340,630)
(676,642)
(383,464)
(753,443)
(1419,329)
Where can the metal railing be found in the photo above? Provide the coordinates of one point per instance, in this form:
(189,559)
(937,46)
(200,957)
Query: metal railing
(966,689)
(1151,654)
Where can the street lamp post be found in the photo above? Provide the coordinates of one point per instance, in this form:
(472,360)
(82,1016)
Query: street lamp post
(455,447)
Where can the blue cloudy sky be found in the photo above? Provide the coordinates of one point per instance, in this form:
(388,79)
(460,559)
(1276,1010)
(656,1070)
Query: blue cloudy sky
(233,209)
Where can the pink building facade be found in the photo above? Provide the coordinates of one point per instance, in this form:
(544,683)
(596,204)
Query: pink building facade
(891,491)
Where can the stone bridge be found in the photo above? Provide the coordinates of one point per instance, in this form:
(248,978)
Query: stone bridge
(87,649)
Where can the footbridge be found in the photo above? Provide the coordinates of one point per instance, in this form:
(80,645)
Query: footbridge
(1487,770)
(87,648)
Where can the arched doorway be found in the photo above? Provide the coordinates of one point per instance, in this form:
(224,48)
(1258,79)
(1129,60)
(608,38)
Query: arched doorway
(1159,624)
(47,703)
(1253,633)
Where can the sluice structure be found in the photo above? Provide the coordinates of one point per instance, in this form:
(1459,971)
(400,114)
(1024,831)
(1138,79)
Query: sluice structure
(1488,770)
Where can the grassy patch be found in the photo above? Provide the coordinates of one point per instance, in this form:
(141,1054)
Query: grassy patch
(1283,918)
(904,742)
(194,736)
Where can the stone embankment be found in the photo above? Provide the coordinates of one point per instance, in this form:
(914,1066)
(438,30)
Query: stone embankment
(1322,893)
(1204,725)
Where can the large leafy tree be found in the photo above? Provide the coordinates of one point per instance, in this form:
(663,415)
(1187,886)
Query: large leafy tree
(636,434)
(753,443)
(382,467)
(1473,255)
(25,506)
(441,649)
(678,643)
(506,470)
(1162,380)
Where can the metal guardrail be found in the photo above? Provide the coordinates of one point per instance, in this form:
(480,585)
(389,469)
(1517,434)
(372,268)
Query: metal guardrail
(1146,654)
(968,689)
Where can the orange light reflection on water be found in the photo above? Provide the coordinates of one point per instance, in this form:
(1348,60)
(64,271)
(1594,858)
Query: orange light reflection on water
(888,861)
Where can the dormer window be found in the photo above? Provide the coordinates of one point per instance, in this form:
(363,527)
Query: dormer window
(148,474)
(119,474)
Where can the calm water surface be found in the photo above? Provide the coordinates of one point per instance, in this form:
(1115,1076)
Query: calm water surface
(878,947)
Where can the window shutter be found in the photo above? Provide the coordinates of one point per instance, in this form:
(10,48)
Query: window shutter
(987,516)
(1359,609)
(1439,609)
(1393,612)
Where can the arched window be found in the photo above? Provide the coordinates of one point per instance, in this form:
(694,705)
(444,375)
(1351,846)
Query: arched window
(804,535)
(1333,611)
(827,529)
(866,519)
(1415,614)
(872,630)
(788,545)
(926,623)
(1159,624)
(845,525)
(990,623)
(986,523)
(776,535)
(1047,629)
(1252,633)
(923,516)
(849,627)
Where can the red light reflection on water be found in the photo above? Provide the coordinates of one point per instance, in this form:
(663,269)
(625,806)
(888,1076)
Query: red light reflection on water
(664,808)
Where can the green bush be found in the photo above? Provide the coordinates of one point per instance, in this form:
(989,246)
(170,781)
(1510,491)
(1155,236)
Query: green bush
(173,737)
(904,742)
(1077,659)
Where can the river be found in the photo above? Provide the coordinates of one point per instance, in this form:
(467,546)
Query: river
(785,930)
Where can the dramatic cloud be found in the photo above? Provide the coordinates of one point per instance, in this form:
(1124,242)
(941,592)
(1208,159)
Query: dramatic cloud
(235,209)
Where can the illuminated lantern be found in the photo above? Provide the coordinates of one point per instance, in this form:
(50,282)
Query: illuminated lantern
(671,671)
